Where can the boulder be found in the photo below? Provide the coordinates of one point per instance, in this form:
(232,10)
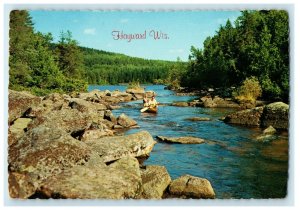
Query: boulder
(116,147)
(19,103)
(85,106)
(95,134)
(267,135)
(196,103)
(218,102)
(181,104)
(277,115)
(138,93)
(249,117)
(155,180)
(270,130)
(181,140)
(208,102)
(50,103)
(70,120)
(93,95)
(108,115)
(45,152)
(122,96)
(126,121)
(198,119)
(20,185)
(108,123)
(55,97)
(191,187)
(111,100)
(17,129)
(120,180)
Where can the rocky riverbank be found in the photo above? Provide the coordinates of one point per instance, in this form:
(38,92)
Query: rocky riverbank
(69,146)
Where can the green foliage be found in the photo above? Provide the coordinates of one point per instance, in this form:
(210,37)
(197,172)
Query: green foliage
(70,57)
(33,63)
(134,85)
(257,45)
(176,74)
(250,90)
(158,81)
(112,68)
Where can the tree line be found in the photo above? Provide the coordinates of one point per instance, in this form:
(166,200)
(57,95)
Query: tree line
(39,65)
(256,45)
(112,68)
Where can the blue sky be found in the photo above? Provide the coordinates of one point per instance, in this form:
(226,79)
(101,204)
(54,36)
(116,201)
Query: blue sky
(94,29)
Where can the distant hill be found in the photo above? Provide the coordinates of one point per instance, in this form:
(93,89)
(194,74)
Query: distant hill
(104,67)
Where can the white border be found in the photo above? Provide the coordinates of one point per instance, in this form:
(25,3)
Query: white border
(183,6)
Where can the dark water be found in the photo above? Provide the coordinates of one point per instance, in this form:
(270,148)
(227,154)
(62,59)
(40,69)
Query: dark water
(232,160)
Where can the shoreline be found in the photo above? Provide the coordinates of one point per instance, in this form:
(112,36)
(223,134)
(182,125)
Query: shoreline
(55,114)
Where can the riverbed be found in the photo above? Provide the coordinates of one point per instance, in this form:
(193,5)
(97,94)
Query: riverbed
(236,164)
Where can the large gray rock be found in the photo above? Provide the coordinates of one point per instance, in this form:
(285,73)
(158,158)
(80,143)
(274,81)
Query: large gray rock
(155,181)
(277,115)
(93,95)
(136,92)
(70,120)
(191,187)
(116,147)
(126,121)
(51,102)
(218,102)
(181,140)
(94,134)
(16,130)
(44,152)
(249,117)
(19,103)
(85,106)
(120,180)
(122,96)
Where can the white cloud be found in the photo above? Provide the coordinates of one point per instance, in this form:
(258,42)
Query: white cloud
(175,51)
(90,31)
(124,20)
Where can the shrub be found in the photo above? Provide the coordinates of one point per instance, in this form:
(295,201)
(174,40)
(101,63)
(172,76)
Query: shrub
(249,91)
(134,85)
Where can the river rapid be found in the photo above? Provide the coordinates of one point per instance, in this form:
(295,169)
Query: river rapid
(236,164)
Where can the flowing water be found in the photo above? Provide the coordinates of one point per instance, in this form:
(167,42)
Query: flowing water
(236,164)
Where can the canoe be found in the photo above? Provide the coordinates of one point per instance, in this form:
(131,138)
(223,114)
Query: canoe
(152,110)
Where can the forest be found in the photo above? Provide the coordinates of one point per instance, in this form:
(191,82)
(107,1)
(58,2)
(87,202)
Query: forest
(112,68)
(255,46)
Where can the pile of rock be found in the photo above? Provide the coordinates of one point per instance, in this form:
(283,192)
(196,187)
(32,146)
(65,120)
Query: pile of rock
(209,102)
(63,146)
(274,114)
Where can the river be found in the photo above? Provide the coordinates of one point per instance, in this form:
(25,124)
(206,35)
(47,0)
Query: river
(235,163)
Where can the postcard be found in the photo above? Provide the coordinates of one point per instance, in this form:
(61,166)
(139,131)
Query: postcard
(157,105)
